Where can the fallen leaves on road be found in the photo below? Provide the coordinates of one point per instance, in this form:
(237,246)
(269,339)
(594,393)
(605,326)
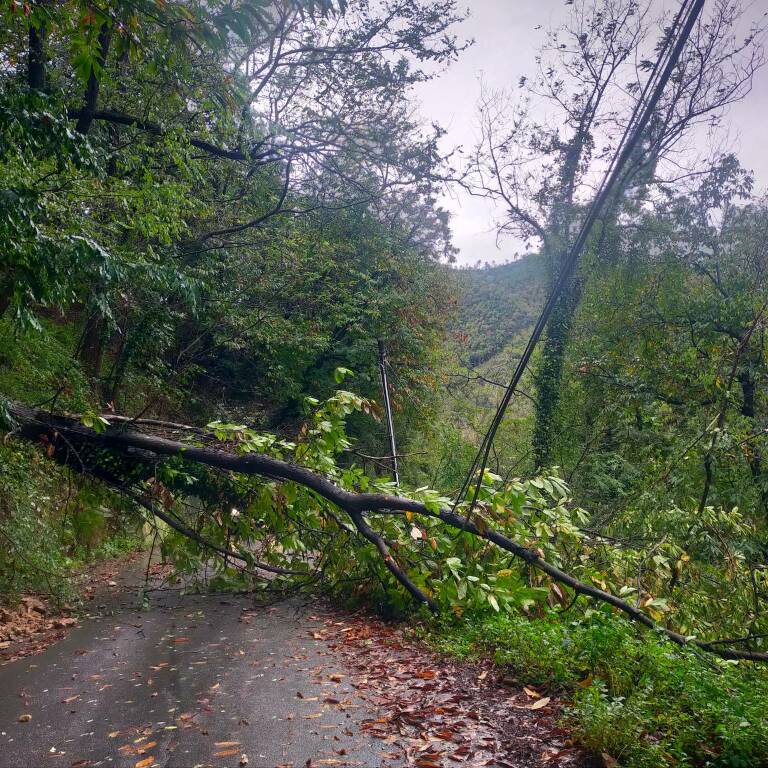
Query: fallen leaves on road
(432,712)
(30,621)
(33,625)
(363,685)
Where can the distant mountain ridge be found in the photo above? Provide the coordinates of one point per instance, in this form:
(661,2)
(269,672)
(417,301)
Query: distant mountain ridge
(496,304)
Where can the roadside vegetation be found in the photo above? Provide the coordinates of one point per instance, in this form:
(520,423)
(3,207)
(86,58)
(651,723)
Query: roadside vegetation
(635,699)
(210,216)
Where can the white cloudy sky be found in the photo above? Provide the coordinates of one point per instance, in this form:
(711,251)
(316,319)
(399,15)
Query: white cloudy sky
(505,45)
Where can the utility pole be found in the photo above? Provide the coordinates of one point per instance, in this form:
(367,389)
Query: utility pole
(388,410)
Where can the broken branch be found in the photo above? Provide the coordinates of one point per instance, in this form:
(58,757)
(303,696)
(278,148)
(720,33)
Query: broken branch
(62,432)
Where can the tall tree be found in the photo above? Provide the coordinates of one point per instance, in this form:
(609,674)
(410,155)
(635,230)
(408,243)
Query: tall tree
(539,163)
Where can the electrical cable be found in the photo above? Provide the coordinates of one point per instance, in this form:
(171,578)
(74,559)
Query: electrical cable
(667,59)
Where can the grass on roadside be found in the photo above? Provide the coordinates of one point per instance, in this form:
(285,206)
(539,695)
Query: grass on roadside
(632,694)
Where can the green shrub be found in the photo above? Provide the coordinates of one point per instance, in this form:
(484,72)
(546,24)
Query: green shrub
(49,522)
(32,555)
(50,525)
(633,695)
(35,365)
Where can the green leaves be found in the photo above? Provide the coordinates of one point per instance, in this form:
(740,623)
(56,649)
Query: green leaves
(44,261)
(249,440)
(94,421)
(341,373)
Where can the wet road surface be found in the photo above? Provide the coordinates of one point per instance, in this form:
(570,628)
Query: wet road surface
(195,681)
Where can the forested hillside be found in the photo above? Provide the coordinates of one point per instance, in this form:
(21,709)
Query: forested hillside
(496,304)
(186,236)
(221,228)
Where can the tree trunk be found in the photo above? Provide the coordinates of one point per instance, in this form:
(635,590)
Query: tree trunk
(5,300)
(91,352)
(549,375)
(747,383)
(36,61)
(92,89)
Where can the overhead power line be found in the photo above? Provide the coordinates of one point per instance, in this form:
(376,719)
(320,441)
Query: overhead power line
(388,410)
(662,70)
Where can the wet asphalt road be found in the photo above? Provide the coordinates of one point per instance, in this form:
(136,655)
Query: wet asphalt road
(195,681)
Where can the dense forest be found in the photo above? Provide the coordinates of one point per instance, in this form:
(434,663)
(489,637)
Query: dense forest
(214,214)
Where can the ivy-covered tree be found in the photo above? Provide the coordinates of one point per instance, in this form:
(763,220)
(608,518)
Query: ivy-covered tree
(590,73)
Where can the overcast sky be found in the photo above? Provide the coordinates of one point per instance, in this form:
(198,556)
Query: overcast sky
(506,42)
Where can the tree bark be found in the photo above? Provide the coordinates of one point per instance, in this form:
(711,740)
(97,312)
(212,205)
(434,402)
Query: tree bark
(91,351)
(549,375)
(36,62)
(747,382)
(5,300)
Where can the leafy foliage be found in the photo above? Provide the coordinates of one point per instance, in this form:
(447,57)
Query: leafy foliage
(641,701)
(211,213)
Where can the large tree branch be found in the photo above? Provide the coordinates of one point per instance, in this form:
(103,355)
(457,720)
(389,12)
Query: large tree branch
(274,211)
(64,432)
(120,118)
(378,541)
(36,57)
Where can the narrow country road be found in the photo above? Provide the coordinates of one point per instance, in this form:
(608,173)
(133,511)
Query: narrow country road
(215,681)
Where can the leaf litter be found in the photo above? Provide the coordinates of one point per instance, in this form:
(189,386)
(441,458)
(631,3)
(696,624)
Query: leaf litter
(431,712)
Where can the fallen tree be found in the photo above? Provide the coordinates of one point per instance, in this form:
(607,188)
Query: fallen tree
(68,440)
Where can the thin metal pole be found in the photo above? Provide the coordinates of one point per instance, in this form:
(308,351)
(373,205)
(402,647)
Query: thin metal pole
(388,410)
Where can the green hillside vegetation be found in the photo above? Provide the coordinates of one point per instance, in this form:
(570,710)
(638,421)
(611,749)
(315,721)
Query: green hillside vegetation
(496,303)
(495,311)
